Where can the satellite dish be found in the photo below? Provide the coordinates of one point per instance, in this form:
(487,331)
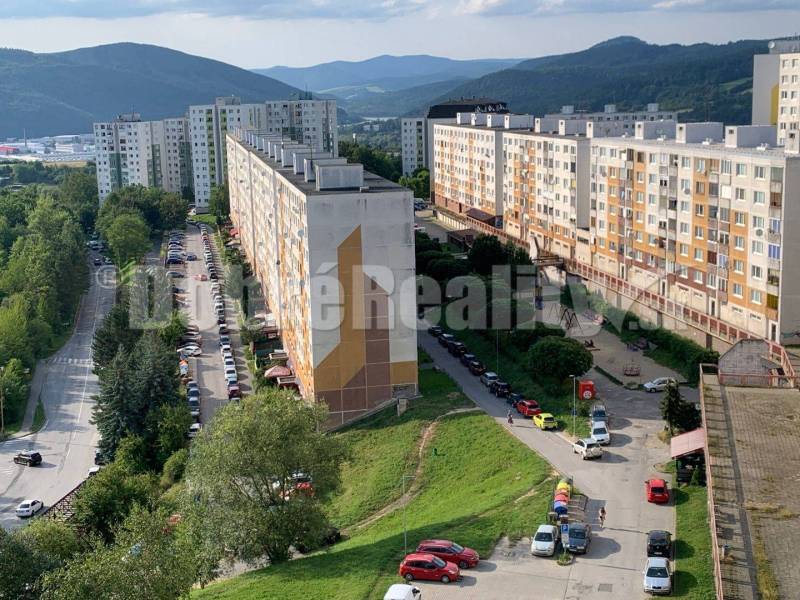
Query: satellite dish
(771,45)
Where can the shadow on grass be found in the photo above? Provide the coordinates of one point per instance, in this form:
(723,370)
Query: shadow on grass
(683,549)
(679,496)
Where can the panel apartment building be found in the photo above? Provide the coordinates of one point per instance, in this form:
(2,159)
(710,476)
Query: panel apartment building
(312,122)
(776,89)
(689,225)
(130,151)
(610,121)
(332,247)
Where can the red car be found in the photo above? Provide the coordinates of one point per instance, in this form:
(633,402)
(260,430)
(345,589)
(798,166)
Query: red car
(465,558)
(528,408)
(656,491)
(428,566)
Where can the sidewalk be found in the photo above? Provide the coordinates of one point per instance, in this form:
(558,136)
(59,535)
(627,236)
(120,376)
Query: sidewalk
(37,383)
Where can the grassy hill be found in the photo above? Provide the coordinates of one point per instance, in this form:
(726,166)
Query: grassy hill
(710,81)
(65,92)
(480,484)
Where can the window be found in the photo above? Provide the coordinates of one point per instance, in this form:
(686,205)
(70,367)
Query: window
(758,221)
(685,206)
(700,187)
(738,265)
(700,165)
(711,280)
(684,228)
(755,272)
(740,194)
(738,242)
(741,169)
(774,251)
(725,167)
(755,296)
(739,218)
(738,291)
(698,254)
(698,277)
(760,172)
(684,249)
(759,197)
(686,162)
(758,247)
(699,209)
(774,225)
(698,232)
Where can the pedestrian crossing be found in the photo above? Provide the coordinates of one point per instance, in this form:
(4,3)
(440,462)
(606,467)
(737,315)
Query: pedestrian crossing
(81,362)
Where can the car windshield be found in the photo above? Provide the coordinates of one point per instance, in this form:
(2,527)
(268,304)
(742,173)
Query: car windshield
(658,572)
(544,536)
(438,562)
(599,431)
(457,548)
(549,419)
(657,489)
(24,505)
(578,534)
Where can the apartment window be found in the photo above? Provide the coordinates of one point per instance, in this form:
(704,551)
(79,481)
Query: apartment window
(775,225)
(698,254)
(685,206)
(640,197)
(699,209)
(760,172)
(758,247)
(698,232)
(700,165)
(725,167)
(774,251)
(651,199)
(741,169)
(698,277)
(739,218)
(711,280)
(651,219)
(724,215)
(738,242)
(738,291)
(756,272)
(686,162)
(740,194)
(686,185)
(759,197)
(755,296)
(722,285)
(738,265)
(684,249)
(684,228)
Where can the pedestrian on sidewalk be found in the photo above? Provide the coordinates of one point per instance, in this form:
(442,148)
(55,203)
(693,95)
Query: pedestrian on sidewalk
(510,418)
(602,516)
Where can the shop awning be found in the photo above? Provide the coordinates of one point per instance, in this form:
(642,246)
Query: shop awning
(277,371)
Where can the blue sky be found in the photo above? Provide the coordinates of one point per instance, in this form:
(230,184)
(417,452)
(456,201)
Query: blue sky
(261,33)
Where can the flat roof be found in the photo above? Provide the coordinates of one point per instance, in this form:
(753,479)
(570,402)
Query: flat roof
(718,147)
(374,182)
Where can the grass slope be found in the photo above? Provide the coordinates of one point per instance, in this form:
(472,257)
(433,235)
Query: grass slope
(467,492)
(694,571)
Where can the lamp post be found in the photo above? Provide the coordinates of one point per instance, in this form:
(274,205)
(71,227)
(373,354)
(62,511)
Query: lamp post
(405,526)
(574,407)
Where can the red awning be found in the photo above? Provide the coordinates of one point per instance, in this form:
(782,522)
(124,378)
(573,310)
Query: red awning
(277,371)
(233,231)
(687,443)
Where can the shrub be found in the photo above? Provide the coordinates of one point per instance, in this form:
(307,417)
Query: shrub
(553,359)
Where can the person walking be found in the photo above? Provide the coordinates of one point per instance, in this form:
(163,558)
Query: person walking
(602,516)
(510,417)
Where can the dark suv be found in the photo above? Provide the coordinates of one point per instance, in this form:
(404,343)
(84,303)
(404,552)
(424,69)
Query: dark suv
(659,543)
(466,358)
(598,413)
(456,348)
(435,330)
(499,388)
(476,367)
(31,459)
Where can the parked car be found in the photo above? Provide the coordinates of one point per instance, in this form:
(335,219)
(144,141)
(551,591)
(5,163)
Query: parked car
(659,543)
(192,392)
(499,388)
(28,458)
(194,429)
(234,392)
(190,350)
(456,348)
(598,412)
(465,558)
(488,377)
(466,358)
(97,262)
(435,330)
(445,338)
(656,491)
(194,408)
(528,408)
(402,591)
(545,421)
(175,274)
(600,433)
(191,256)
(476,367)
(231,379)
(657,576)
(224,340)
(28,508)
(429,567)
(224,348)
(658,385)
(545,540)
(223,329)
(587,448)
(579,537)
(99,457)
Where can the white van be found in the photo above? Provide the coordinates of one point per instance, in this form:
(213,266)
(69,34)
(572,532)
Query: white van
(402,591)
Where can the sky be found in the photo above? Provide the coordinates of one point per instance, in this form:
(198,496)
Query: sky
(264,33)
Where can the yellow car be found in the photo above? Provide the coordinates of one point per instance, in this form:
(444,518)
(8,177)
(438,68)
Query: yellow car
(545,421)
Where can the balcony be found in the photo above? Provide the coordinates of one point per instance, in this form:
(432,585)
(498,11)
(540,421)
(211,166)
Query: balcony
(713,223)
(774,236)
(772,313)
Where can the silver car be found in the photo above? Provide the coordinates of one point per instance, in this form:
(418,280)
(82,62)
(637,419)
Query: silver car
(545,540)
(587,448)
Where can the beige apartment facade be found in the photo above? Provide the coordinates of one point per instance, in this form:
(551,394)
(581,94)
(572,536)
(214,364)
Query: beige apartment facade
(332,248)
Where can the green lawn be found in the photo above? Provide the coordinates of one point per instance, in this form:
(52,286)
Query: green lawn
(39,416)
(512,368)
(694,571)
(467,492)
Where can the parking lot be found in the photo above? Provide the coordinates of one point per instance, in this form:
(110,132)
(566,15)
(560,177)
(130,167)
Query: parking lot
(207,369)
(612,568)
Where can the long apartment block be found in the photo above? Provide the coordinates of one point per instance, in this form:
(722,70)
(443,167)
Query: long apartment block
(690,225)
(332,248)
(130,151)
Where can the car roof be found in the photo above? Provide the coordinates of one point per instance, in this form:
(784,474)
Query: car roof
(597,424)
(546,527)
(490,374)
(419,556)
(436,542)
(545,415)
(578,525)
(660,482)
(657,561)
(658,534)
(587,441)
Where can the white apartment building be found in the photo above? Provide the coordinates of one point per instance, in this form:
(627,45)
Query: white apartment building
(333,249)
(414,149)
(130,151)
(311,121)
(776,90)
(611,122)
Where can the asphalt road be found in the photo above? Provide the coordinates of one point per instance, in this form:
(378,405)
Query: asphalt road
(612,569)
(67,440)
(207,369)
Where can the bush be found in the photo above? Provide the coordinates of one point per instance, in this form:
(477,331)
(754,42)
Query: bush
(428,256)
(443,269)
(174,468)
(553,359)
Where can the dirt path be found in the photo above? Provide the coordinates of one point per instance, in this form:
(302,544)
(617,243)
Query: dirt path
(414,488)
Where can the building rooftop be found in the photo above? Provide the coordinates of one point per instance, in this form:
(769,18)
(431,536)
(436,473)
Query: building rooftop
(372,183)
(450,108)
(714,147)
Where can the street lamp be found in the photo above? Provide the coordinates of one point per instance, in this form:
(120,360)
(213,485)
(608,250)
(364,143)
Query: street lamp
(574,408)
(405,526)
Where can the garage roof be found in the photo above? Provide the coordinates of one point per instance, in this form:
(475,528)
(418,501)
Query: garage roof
(688,443)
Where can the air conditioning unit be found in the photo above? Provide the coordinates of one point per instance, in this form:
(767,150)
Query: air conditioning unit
(759,232)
